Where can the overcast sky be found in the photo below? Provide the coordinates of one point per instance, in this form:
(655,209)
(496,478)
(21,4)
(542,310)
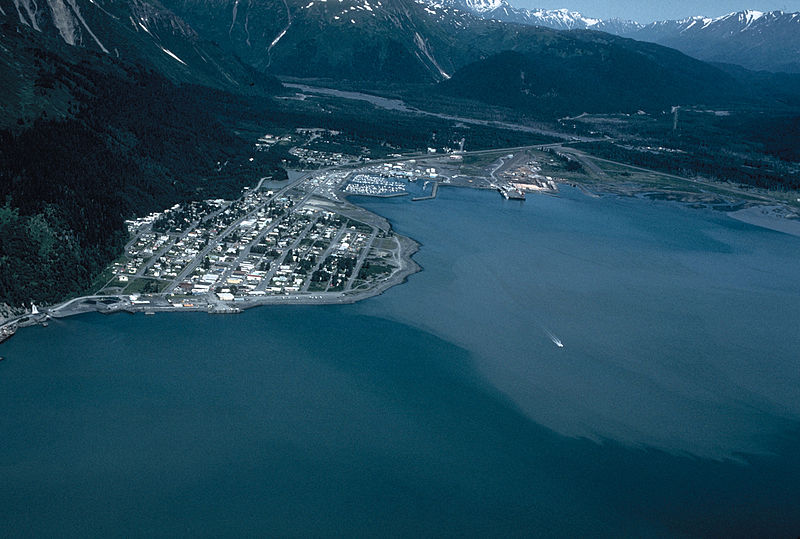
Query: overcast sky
(647,11)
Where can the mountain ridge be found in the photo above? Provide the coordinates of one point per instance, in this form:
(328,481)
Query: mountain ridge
(142,31)
(753,39)
(756,40)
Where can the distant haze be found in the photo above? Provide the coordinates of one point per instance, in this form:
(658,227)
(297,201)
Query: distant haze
(645,12)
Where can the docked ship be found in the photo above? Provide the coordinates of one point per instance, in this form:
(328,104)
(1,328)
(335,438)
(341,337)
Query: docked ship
(511,193)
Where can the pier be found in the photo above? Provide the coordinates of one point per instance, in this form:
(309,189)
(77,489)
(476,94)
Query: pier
(389,195)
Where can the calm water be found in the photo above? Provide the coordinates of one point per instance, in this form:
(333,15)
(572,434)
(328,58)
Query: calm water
(442,407)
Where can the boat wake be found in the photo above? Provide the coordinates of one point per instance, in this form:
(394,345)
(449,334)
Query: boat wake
(553,338)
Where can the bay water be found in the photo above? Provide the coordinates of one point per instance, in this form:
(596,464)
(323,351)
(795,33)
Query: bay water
(444,406)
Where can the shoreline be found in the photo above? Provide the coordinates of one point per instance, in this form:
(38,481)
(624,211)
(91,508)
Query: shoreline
(210,304)
(771,217)
(775,216)
(150,305)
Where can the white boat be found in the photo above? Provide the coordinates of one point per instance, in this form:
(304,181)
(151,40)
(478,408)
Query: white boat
(555,339)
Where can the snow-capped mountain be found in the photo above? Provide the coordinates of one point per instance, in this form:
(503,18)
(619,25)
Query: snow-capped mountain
(732,22)
(483,6)
(756,40)
(229,41)
(559,19)
(753,39)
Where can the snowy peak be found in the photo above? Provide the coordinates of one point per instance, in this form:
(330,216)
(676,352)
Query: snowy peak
(754,39)
(483,6)
(741,19)
(559,19)
(748,17)
(738,20)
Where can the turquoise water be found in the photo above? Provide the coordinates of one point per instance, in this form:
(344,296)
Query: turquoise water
(441,407)
(681,327)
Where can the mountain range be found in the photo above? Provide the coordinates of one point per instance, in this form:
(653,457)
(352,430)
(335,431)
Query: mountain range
(440,47)
(752,39)
(232,44)
(558,19)
(755,40)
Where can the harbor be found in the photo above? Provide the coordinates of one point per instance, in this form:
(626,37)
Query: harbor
(434,192)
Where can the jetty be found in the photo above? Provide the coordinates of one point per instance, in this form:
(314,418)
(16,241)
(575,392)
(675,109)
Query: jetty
(433,194)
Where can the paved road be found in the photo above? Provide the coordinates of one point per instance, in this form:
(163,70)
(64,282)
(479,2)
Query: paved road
(331,246)
(586,161)
(275,265)
(495,169)
(360,262)
(212,244)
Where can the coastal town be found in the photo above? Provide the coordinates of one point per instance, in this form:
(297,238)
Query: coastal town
(303,240)
(300,241)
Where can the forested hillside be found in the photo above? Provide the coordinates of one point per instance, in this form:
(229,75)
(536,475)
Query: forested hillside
(591,72)
(130,142)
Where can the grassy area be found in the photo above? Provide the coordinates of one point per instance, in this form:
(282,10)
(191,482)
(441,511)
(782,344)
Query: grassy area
(360,284)
(317,287)
(114,287)
(476,165)
(99,281)
(386,244)
(145,286)
(374,270)
(628,180)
